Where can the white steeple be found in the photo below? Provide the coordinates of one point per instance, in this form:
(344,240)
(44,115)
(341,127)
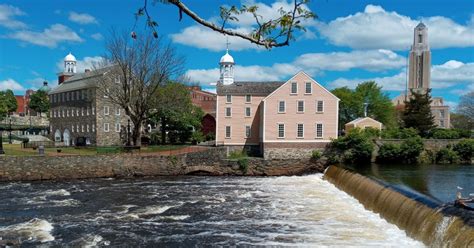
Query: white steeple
(70,63)
(227,67)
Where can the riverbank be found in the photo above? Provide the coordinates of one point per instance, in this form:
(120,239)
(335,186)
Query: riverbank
(212,161)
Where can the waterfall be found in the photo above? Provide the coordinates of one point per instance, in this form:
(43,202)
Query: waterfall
(434,224)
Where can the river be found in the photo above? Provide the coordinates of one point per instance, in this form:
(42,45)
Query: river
(191,211)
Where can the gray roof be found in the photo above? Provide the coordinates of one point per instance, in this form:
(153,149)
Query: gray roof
(80,81)
(252,88)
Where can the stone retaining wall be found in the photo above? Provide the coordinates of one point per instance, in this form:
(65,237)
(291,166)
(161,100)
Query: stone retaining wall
(210,162)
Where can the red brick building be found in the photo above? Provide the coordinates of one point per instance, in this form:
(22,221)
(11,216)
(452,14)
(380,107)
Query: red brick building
(207,102)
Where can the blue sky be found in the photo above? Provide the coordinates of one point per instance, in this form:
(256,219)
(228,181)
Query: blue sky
(350,42)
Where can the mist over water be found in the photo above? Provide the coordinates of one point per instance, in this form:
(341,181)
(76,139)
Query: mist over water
(191,211)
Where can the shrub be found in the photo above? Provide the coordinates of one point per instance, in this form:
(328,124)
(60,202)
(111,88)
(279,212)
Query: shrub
(465,150)
(446,156)
(237,154)
(389,153)
(316,155)
(197,137)
(155,138)
(427,157)
(399,133)
(356,147)
(411,149)
(243,165)
(372,132)
(442,133)
(210,136)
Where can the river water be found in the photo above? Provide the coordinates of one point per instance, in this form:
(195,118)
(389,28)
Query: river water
(191,211)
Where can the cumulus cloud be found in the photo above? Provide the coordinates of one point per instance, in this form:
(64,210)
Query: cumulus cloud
(82,18)
(7,16)
(377,28)
(313,63)
(10,84)
(83,64)
(49,37)
(97,36)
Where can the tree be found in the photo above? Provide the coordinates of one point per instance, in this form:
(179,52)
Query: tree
(39,102)
(417,113)
(3,106)
(175,112)
(10,101)
(139,68)
(276,32)
(351,106)
(461,121)
(466,105)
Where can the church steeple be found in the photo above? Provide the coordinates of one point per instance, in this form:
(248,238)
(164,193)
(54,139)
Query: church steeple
(226,67)
(420,60)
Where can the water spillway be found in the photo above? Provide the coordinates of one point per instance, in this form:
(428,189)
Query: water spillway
(424,219)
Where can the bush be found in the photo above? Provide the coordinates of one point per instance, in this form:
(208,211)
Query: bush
(356,147)
(372,132)
(427,157)
(465,150)
(399,133)
(197,137)
(316,155)
(389,153)
(442,133)
(210,136)
(243,165)
(155,138)
(237,154)
(446,156)
(410,149)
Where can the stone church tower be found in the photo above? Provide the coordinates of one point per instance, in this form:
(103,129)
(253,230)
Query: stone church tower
(420,61)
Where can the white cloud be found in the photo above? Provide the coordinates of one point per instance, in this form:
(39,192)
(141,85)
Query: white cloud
(395,82)
(97,36)
(10,84)
(49,37)
(453,72)
(82,18)
(376,28)
(313,63)
(82,64)
(7,14)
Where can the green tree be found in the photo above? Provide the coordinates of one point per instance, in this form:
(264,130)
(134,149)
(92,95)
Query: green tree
(461,121)
(3,106)
(39,102)
(417,113)
(351,106)
(175,112)
(466,105)
(10,101)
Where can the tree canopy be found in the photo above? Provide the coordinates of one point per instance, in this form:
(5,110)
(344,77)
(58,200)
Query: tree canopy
(9,100)
(466,105)
(266,31)
(417,113)
(351,106)
(39,102)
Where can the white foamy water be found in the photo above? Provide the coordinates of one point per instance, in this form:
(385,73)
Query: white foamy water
(33,230)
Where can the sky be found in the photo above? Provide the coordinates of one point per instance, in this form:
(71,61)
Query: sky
(350,42)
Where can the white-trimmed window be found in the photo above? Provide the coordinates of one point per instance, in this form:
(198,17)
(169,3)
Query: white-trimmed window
(106,127)
(294,88)
(82,111)
(300,130)
(82,128)
(117,111)
(93,127)
(281,106)
(72,112)
(300,106)
(227,132)
(319,106)
(93,110)
(77,128)
(87,128)
(72,128)
(117,80)
(281,130)
(87,111)
(106,93)
(308,88)
(106,110)
(77,111)
(228,98)
(117,127)
(248,112)
(248,98)
(228,112)
(55,113)
(248,131)
(72,95)
(67,112)
(319,130)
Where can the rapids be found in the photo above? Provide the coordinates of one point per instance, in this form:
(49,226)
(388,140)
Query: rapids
(191,211)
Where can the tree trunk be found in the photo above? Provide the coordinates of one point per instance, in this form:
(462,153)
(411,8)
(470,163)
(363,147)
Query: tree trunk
(136,134)
(163,130)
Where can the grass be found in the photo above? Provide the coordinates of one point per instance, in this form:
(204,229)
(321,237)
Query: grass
(237,154)
(161,148)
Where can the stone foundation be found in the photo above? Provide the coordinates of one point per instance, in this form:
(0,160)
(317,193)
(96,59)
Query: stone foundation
(291,150)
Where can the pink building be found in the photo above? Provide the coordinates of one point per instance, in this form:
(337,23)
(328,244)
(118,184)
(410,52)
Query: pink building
(275,119)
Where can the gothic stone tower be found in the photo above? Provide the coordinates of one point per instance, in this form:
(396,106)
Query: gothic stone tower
(420,60)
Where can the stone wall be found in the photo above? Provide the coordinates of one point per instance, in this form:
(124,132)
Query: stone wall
(430,144)
(291,150)
(210,162)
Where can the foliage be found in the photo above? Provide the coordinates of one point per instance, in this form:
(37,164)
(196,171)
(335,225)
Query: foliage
(266,31)
(155,138)
(243,164)
(466,106)
(39,102)
(8,103)
(442,133)
(399,133)
(197,137)
(352,102)
(210,136)
(465,150)
(462,122)
(355,148)
(389,153)
(316,155)
(237,154)
(446,156)
(411,149)
(417,113)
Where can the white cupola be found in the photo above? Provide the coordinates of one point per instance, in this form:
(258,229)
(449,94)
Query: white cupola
(227,67)
(70,63)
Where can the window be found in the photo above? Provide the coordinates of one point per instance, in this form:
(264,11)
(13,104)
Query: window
(281,130)
(319,106)
(93,127)
(72,96)
(227,132)
(294,88)
(82,111)
(300,106)
(281,106)
(93,110)
(77,112)
(83,94)
(82,128)
(117,80)
(87,111)
(420,38)
(77,95)
(106,93)
(117,111)
(87,127)
(72,129)
(228,112)
(228,98)
(319,130)
(248,131)
(248,98)
(67,112)
(67,96)
(441,113)
(300,130)
(72,112)
(106,110)
(247,112)
(117,127)
(77,128)
(308,88)
(63,113)
(441,123)
(106,127)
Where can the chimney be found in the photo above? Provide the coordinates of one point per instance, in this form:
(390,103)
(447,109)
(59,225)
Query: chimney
(87,70)
(63,77)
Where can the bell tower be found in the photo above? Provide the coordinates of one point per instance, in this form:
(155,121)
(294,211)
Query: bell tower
(226,68)
(420,60)
(69,68)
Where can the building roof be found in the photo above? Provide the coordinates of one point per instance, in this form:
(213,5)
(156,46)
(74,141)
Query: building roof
(227,58)
(420,25)
(361,119)
(69,57)
(80,81)
(246,87)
